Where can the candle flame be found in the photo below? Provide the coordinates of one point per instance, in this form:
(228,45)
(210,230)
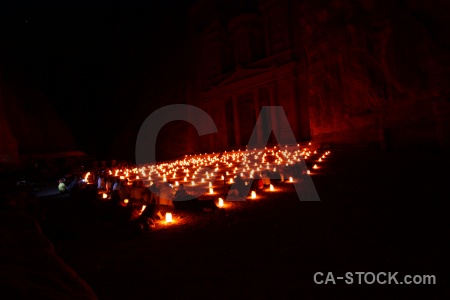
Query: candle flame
(168,217)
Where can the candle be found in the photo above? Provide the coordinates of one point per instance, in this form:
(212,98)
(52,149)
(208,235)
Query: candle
(168,217)
(220,202)
(211,191)
(142,209)
(291,179)
(271,188)
(253,195)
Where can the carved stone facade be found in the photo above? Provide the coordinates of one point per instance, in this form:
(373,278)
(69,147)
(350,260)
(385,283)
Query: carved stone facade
(346,71)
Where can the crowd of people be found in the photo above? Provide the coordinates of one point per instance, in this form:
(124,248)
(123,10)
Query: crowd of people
(121,194)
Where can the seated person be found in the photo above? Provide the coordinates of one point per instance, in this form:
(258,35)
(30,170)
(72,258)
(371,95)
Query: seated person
(62,186)
(166,194)
(184,201)
(181,194)
(238,188)
(265,176)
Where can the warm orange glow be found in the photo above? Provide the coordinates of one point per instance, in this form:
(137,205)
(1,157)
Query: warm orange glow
(315,167)
(291,179)
(211,191)
(137,177)
(126,201)
(308,172)
(271,188)
(105,196)
(220,202)
(253,195)
(142,209)
(231,180)
(168,218)
(320,159)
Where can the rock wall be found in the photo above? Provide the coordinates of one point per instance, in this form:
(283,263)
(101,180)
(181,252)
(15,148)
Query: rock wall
(29,124)
(9,154)
(377,71)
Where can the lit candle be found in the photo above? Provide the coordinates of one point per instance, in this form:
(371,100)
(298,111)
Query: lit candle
(105,196)
(220,202)
(142,209)
(126,201)
(168,217)
(211,191)
(291,179)
(192,182)
(315,167)
(308,172)
(271,188)
(253,194)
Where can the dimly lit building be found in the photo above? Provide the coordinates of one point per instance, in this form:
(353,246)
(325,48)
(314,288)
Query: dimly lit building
(348,72)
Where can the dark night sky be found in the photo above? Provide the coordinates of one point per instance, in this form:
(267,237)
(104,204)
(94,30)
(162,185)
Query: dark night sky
(93,62)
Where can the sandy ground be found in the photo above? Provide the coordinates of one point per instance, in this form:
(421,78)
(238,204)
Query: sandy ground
(378,213)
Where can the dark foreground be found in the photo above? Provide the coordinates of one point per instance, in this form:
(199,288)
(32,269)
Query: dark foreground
(378,213)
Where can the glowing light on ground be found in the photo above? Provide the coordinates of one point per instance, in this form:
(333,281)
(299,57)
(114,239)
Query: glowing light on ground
(169,218)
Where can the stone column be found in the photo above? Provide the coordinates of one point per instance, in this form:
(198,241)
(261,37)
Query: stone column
(293,115)
(223,123)
(257,112)
(273,102)
(237,127)
(211,136)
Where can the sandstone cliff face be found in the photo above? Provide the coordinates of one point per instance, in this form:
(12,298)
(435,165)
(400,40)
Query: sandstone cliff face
(9,154)
(345,71)
(377,71)
(29,124)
